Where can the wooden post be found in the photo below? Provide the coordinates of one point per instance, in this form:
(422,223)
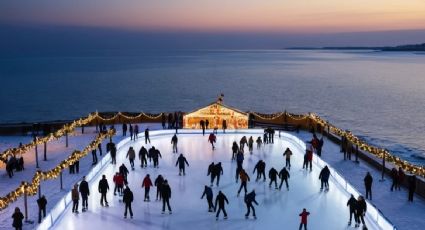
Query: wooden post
(61,180)
(45,151)
(66,139)
(25,201)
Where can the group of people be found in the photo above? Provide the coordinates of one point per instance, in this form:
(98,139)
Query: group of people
(134,132)
(14,163)
(174,120)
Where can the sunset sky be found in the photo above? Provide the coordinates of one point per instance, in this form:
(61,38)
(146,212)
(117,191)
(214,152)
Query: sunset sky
(221,16)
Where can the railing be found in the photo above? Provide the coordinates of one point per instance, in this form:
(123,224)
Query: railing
(373,213)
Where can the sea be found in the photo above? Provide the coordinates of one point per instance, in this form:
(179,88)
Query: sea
(379,96)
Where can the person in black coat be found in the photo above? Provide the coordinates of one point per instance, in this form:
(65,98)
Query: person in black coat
(217,171)
(273,177)
(207,123)
(99,146)
(224,125)
(166,195)
(249,199)
(113,150)
(77,166)
(202,124)
(10,166)
(412,187)
(131,131)
(352,203)
(143,153)
(163,120)
(324,177)
(147,136)
(209,194)
(41,202)
(284,176)
(155,157)
(361,211)
(235,149)
(94,156)
(103,189)
(181,161)
(211,173)
(368,180)
(72,169)
(124,129)
(123,171)
(394,177)
(128,199)
(220,199)
(17,219)
(261,168)
(158,183)
(319,147)
(85,193)
(174,141)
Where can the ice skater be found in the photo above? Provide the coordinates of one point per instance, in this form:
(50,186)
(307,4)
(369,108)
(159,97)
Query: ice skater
(220,201)
(75,198)
(235,148)
(361,211)
(103,189)
(242,143)
(131,131)
(259,142)
(166,196)
(85,193)
(147,183)
(147,139)
(250,144)
(324,178)
(128,199)
(119,183)
(304,214)
(158,183)
(143,153)
(124,129)
(124,171)
(249,199)
(155,157)
(131,155)
(287,154)
(113,150)
(261,168)
(352,204)
(209,195)
(217,172)
(284,176)
(174,141)
(212,139)
(136,132)
(368,180)
(224,125)
(273,177)
(211,172)
(202,124)
(244,180)
(181,161)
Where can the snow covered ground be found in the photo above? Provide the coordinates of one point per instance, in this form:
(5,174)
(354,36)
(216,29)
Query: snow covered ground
(276,209)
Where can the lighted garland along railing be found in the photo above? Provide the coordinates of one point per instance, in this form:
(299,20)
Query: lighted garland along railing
(32,188)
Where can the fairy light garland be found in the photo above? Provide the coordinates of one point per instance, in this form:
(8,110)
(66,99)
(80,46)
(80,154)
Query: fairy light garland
(31,189)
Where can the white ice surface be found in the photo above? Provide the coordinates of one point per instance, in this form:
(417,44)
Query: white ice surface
(276,209)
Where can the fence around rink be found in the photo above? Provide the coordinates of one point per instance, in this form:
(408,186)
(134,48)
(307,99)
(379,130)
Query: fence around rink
(373,214)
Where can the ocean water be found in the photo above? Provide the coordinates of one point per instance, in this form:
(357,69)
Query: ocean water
(379,96)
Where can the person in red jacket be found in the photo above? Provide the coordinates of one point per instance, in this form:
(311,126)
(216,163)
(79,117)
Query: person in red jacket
(119,184)
(147,183)
(309,157)
(304,215)
(212,140)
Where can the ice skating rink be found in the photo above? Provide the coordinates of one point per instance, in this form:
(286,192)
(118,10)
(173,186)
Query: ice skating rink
(276,209)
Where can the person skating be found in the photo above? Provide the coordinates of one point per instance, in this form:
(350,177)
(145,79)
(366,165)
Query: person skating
(394,177)
(94,156)
(261,168)
(244,180)
(181,161)
(147,183)
(119,184)
(221,200)
(287,154)
(151,152)
(411,186)
(124,129)
(310,158)
(17,219)
(124,171)
(202,124)
(352,204)
(163,119)
(131,131)
(324,177)
(304,214)
(242,143)
(284,176)
(217,172)
(235,148)
(128,199)
(131,155)
(319,147)
(136,132)
(166,196)
(147,139)
(259,142)
(75,198)
(239,159)
(249,199)
(211,173)
(143,153)
(103,189)
(212,139)
(273,177)
(271,135)
(209,195)
(224,125)
(85,193)
(368,180)
(174,141)
(361,211)
(41,202)
(113,150)
(156,154)
(250,144)
(207,123)
(158,183)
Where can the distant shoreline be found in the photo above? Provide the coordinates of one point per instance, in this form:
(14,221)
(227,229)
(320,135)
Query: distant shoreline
(408,48)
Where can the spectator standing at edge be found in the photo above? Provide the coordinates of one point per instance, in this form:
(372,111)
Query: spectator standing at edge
(124,129)
(41,202)
(163,119)
(17,219)
(131,132)
(94,155)
(412,187)
(394,177)
(368,180)
(99,146)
